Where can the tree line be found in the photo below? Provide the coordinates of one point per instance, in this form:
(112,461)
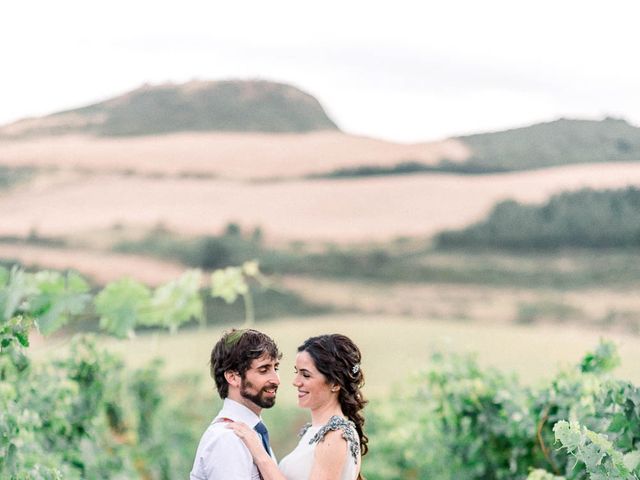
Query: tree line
(584,218)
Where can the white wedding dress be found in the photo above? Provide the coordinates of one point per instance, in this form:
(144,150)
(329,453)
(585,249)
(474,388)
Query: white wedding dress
(297,465)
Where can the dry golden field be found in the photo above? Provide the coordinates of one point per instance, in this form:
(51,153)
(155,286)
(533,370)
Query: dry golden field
(224,155)
(340,211)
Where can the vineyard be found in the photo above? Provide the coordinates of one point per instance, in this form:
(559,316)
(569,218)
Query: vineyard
(87,416)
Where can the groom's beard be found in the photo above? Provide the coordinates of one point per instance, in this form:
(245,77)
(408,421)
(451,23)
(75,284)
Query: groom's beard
(259,398)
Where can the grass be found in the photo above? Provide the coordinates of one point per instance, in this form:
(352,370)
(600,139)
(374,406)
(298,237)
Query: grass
(530,312)
(393,348)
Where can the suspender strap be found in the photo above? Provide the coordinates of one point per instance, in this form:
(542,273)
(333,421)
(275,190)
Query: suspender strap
(223,419)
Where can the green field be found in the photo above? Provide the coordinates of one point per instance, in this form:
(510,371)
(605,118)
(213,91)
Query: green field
(394,348)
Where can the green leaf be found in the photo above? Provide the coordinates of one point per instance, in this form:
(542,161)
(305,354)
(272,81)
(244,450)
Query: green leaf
(59,298)
(618,422)
(631,460)
(4,276)
(19,287)
(23,338)
(19,359)
(591,455)
(539,474)
(177,302)
(603,360)
(251,268)
(228,283)
(568,434)
(122,305)
(10,461)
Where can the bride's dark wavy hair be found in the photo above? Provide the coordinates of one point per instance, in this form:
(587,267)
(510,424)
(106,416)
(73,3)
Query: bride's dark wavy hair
(338,359)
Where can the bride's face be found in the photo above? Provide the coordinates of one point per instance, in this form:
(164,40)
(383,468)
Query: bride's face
(313,389)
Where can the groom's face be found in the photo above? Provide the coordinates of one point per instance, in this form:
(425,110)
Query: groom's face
(260,382)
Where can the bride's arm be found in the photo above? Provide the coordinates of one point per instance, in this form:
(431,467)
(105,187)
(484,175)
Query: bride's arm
(330,457)
(267,466)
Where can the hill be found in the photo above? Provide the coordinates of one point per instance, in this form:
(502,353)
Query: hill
(197,106)
(560,142)
(550,144)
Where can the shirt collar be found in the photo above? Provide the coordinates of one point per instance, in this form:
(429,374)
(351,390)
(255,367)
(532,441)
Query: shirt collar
(238,413)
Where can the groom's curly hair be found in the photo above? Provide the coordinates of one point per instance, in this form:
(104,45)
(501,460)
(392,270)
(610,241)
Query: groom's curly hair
(235,351)
(338,359)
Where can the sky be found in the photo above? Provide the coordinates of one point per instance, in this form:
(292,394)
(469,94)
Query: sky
(406,71)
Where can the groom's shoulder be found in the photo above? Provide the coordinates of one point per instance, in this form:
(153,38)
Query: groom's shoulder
(217,435)
(222,454)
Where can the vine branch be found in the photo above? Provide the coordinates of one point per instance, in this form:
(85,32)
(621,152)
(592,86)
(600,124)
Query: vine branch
(543,446)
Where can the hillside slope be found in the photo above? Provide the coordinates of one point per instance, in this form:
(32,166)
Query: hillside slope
(560,142)
(557,143)
(234,105)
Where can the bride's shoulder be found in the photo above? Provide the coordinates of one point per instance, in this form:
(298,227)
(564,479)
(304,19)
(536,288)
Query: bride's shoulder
(348,429)
(338,423)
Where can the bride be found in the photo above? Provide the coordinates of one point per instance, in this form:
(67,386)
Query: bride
(328,378)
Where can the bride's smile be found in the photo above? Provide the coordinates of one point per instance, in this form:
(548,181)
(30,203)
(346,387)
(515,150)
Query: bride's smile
(314,392)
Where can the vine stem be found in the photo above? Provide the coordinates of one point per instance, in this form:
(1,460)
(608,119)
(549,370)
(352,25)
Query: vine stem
(543,446)
(249,314)
(205,310)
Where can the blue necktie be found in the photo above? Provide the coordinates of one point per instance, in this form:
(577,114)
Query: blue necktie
(264,435)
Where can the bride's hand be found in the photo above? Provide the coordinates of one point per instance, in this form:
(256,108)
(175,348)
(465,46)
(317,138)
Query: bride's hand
(250,438)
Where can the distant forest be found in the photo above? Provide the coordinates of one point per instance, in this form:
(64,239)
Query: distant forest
(9,176)
(410,167)
(584,218)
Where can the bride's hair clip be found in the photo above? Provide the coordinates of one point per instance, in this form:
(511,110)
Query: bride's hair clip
(356,368)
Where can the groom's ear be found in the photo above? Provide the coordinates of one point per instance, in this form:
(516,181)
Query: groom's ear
(232,378)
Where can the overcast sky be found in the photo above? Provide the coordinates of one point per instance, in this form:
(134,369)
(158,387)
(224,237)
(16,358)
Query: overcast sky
(402,70)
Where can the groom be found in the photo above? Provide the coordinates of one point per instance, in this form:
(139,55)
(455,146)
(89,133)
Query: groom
(244,365)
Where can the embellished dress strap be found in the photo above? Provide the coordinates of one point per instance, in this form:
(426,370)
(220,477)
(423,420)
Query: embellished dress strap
(348,433)
(304,429)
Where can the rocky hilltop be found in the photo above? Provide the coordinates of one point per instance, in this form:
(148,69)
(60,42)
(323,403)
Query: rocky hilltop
(197,106)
